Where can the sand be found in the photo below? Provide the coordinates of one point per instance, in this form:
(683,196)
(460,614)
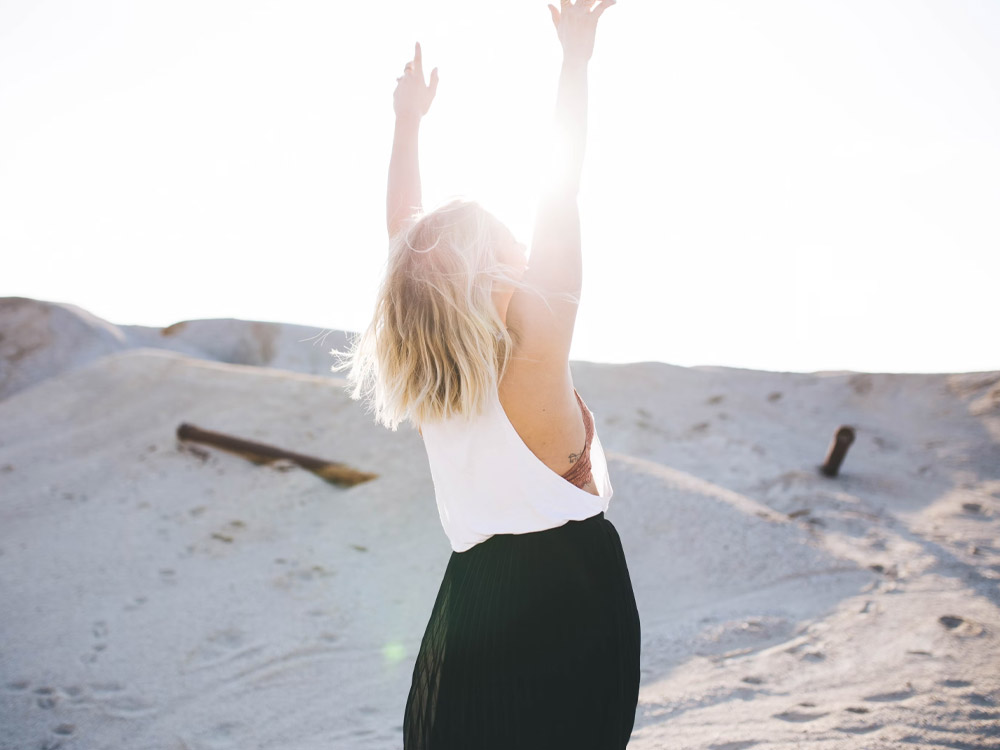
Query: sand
(160,594)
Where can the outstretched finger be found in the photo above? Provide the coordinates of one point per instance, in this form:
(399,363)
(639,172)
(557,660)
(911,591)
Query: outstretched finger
(555,16)
(418,62)
(434,82)
(605,4)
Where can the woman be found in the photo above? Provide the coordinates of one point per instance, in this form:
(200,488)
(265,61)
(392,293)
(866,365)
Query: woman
(533,639)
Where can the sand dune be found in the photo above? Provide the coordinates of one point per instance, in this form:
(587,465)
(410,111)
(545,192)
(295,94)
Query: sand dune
(39,339)
(158,594)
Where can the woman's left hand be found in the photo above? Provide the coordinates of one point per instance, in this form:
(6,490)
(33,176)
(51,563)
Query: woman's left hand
(576,24)
(413,97)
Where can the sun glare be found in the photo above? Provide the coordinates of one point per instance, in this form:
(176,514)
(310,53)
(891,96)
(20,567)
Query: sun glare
(747,166)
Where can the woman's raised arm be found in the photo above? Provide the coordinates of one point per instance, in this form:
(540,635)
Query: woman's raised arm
(411,101)
(555,264)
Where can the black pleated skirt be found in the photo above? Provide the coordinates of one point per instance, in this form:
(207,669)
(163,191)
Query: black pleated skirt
(533,642)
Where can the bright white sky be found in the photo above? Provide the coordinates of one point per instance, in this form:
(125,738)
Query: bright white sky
(777,184)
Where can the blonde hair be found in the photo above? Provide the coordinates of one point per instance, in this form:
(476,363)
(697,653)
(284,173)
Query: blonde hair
(436,344)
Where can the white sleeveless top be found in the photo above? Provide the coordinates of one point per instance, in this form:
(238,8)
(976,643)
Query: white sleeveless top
(487,481)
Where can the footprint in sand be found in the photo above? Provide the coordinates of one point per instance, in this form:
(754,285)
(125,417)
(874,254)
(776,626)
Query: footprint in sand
(861,729)
(296,575)
(978,699)
(795,715)
(99,630)
(227,535)
(960,626)
(738,745)
(46,697)
(896,695)
(955,683)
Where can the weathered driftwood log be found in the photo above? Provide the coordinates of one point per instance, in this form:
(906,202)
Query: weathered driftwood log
(838,450)
(260,453)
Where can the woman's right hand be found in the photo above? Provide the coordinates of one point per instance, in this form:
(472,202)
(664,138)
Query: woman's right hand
(412,97)
(576,25)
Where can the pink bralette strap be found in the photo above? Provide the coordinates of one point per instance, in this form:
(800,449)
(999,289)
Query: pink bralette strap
(580,472)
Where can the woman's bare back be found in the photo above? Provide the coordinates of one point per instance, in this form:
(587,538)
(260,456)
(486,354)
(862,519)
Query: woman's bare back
(542,407)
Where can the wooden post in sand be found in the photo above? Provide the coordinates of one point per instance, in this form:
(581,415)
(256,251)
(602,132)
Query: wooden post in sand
(838,450)
(260,453)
